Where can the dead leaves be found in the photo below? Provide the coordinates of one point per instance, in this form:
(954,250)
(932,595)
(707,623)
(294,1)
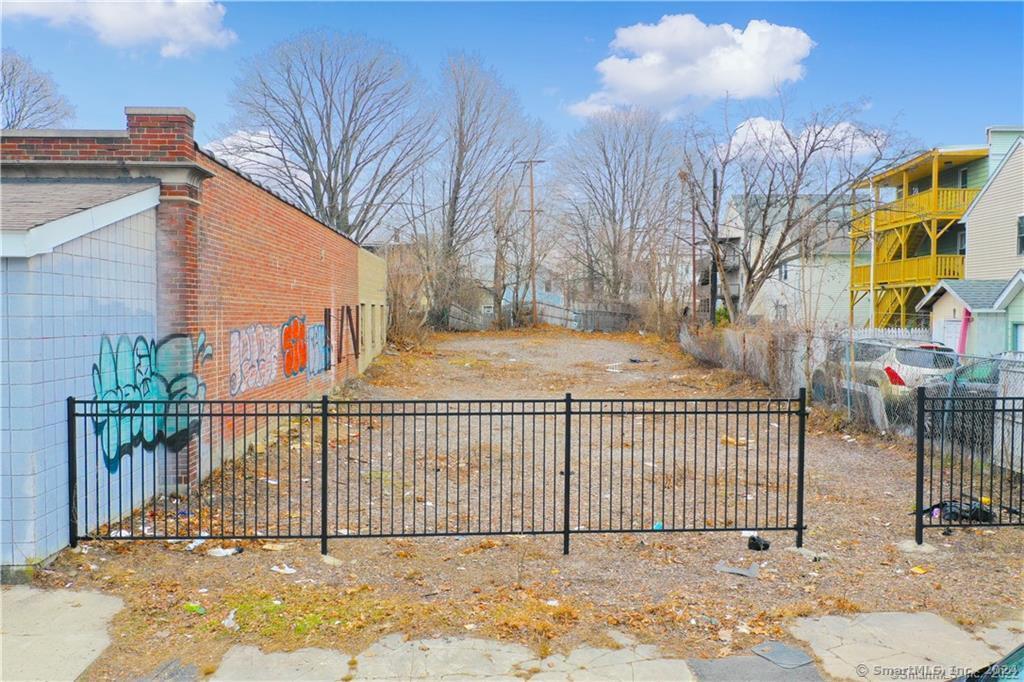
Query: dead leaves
(482,546)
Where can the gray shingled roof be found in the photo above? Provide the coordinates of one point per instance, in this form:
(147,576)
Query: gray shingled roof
(977,294)
(25,204)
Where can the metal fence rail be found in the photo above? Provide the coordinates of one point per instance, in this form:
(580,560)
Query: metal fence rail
(399,468)
(969,461)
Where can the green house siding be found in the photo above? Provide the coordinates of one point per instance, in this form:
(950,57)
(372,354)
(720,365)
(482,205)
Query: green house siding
(1000,142)
(1014,316)
(985,335)
(977,176)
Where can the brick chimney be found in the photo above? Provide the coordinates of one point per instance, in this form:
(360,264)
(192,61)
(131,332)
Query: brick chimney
(164,136)
(160,134)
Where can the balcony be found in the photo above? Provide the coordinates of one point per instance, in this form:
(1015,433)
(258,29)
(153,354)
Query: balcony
(945,202)
(923,271)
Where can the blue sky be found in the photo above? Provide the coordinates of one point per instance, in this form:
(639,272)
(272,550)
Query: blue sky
(945,70)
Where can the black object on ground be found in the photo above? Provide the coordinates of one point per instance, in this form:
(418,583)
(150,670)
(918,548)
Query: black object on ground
(957,510)
(758,544)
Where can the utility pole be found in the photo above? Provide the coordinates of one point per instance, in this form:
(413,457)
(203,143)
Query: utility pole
(683,176)
(498,276)
(530,163)
(715,245)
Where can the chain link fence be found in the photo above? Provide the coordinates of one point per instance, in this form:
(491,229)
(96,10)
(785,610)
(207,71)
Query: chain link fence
(867,375)
(874,380)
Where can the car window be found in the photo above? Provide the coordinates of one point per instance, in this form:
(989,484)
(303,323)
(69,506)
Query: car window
(926,359)
(979,372)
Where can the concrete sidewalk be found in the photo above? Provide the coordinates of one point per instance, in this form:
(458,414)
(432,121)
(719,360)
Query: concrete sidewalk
(52,634)
(38,623)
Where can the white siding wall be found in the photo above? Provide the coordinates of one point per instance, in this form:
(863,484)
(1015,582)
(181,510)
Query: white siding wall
(816,293)
(56,309)
(992,225)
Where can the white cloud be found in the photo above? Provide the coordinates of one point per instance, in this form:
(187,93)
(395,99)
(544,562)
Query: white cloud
(180,27)
(681,59)
(759,136)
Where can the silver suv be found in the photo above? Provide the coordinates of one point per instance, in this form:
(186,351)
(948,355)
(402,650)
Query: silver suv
(894,366)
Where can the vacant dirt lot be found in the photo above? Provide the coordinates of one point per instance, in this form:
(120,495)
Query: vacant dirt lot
(663,588)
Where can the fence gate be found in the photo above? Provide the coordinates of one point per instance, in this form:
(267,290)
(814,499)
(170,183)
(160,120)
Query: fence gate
(401,468)
(969,461)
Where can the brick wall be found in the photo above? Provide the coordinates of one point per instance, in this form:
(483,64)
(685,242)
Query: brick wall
(233,268)
(153,135)
(262,265)
(234,261)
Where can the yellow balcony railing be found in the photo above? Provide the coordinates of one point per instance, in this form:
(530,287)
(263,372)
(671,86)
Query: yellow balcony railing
(945,202)
(921,271)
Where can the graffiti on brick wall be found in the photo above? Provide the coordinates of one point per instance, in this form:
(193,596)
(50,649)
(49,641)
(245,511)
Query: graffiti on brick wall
(127,373)
(304,348)
(318,348)
(294,350)
(253,357)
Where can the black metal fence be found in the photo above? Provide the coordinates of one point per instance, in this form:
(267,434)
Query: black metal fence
(386,468)
(969,460)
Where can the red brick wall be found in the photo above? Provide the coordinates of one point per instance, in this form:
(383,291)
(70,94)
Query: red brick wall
(151,137)
(262,261)
(230,255)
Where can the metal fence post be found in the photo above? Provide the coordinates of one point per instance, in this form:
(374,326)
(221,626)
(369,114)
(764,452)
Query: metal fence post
(323,474)
(568,463)
(72,475)
(801,438)
(919,478)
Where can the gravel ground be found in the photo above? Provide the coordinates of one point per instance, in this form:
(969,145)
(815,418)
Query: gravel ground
(661,587)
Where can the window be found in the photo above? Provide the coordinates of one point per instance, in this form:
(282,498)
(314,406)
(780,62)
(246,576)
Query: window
(1020,235)
(961,242)
(963,178)
(784,271)
(926,358)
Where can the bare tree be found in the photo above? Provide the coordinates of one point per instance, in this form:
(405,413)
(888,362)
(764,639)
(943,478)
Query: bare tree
(617,175)
(482,132)
(781,183)
(333,122)
(28,97)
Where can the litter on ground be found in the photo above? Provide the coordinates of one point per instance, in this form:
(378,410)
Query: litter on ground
(751,572)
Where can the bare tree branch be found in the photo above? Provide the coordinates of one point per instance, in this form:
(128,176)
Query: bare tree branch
(788,185)
(28,97)
(617,175)
(335,123)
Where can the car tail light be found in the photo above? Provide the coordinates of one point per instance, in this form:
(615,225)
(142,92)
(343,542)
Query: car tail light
(894,377)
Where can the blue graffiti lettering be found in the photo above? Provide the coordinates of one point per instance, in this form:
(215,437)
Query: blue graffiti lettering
(318,349)
(127,374)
